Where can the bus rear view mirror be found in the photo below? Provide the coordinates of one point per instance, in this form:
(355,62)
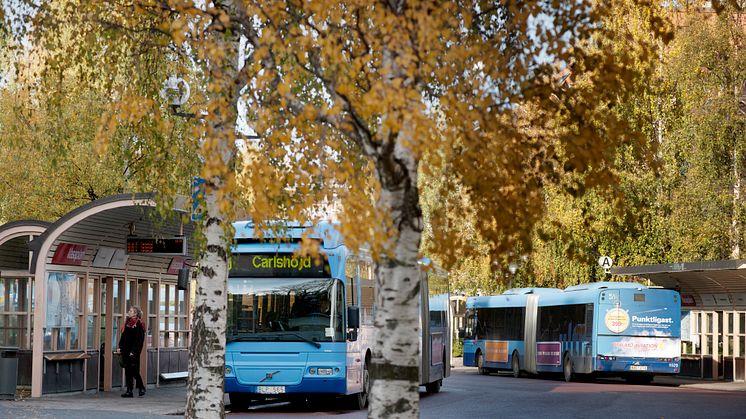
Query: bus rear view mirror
(461,333)
(353,317)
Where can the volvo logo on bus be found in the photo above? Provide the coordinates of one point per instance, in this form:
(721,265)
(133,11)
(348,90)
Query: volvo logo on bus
(268,376)
(617,320)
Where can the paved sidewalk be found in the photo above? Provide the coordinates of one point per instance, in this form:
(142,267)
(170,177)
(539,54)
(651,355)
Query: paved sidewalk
(168,400)
(702,384)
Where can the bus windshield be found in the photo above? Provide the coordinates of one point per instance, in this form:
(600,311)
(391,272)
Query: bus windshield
(285,309)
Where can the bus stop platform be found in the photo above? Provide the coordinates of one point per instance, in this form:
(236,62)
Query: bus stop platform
(701,384)
(167,400)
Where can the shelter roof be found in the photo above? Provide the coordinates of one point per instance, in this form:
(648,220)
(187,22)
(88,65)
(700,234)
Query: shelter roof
(107,221)
(704,280)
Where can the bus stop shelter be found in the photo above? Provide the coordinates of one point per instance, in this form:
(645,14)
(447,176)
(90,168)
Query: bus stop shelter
(16,290)
(66,286)
(713,304)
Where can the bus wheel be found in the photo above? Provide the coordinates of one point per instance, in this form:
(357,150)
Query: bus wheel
(567,368)
(480,364)
(434,387)
(239,401)
(516,364)
(359,401)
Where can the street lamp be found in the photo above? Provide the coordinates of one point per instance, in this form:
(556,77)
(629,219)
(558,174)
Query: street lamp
(512,268)
(176,92)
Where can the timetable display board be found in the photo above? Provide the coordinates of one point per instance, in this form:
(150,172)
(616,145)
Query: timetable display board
(156,246)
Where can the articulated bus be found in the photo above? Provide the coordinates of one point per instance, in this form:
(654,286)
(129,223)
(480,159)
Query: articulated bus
(602,328)
(302,327)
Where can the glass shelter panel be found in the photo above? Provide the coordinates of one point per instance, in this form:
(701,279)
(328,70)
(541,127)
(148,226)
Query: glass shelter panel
(14,313)
(63,311)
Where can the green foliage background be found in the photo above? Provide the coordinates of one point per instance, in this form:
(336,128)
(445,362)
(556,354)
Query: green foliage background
(685,204)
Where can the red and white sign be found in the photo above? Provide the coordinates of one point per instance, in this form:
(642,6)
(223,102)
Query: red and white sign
(69,254)
(177,262)
(687,300)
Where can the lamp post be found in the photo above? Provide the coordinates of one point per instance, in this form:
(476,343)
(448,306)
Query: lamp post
(512,268)
(176,92)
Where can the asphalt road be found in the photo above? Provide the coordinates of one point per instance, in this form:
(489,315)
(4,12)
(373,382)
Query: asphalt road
(464,395)
(468,395)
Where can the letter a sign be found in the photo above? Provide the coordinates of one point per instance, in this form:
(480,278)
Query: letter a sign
(605,262)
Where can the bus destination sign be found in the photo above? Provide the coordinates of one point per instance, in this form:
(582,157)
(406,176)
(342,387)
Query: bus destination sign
(280,265)
(156,246)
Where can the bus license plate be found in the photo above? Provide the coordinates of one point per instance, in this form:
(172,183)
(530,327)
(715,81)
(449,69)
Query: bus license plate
(270,389)
(638,367)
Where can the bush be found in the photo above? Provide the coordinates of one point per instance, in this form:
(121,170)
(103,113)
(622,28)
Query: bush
(458,348)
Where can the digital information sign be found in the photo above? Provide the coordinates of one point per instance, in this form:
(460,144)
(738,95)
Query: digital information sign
(278,265)
(156,246)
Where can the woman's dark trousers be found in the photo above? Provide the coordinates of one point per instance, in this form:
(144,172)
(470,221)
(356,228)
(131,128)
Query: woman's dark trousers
(132,371)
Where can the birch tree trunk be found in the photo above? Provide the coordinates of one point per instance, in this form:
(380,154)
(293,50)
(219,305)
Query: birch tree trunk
(739,164)
(396,352)
(735,228)
(207,349)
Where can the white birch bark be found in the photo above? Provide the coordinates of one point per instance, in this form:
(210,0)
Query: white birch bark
(738,174)
(207,348)
(735,228)
(205,393)
(395,362)
(396,352)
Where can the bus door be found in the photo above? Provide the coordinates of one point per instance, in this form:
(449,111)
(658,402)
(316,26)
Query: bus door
(606,325)
(355,358)
(425,349)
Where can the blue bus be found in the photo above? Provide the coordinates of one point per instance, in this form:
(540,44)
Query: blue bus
(601,328)
(302,327)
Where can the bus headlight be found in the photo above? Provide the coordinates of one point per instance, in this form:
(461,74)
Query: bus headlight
(325,371)
(312,371)
(228,370)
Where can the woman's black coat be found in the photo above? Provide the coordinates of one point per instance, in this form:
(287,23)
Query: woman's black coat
(132,340)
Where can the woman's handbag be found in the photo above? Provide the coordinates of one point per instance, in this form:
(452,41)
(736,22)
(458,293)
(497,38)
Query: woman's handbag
(121,360)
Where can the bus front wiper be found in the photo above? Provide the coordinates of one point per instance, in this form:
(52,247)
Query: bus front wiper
(305,339)
(245,338)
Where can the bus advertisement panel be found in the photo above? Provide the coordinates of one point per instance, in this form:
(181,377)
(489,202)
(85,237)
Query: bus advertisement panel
(639,330)
(548,353)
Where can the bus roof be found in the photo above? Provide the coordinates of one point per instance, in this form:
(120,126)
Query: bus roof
(504,300)
(589,293)
(605,285)
(534,290)
(292,231)
(576,294)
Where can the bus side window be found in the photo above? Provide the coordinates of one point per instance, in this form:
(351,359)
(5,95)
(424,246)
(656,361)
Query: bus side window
(351,270)
(479,319)
(367,293)
(351,291)
(469,325)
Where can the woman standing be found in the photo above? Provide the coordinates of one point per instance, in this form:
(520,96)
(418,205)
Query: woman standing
(130,346)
